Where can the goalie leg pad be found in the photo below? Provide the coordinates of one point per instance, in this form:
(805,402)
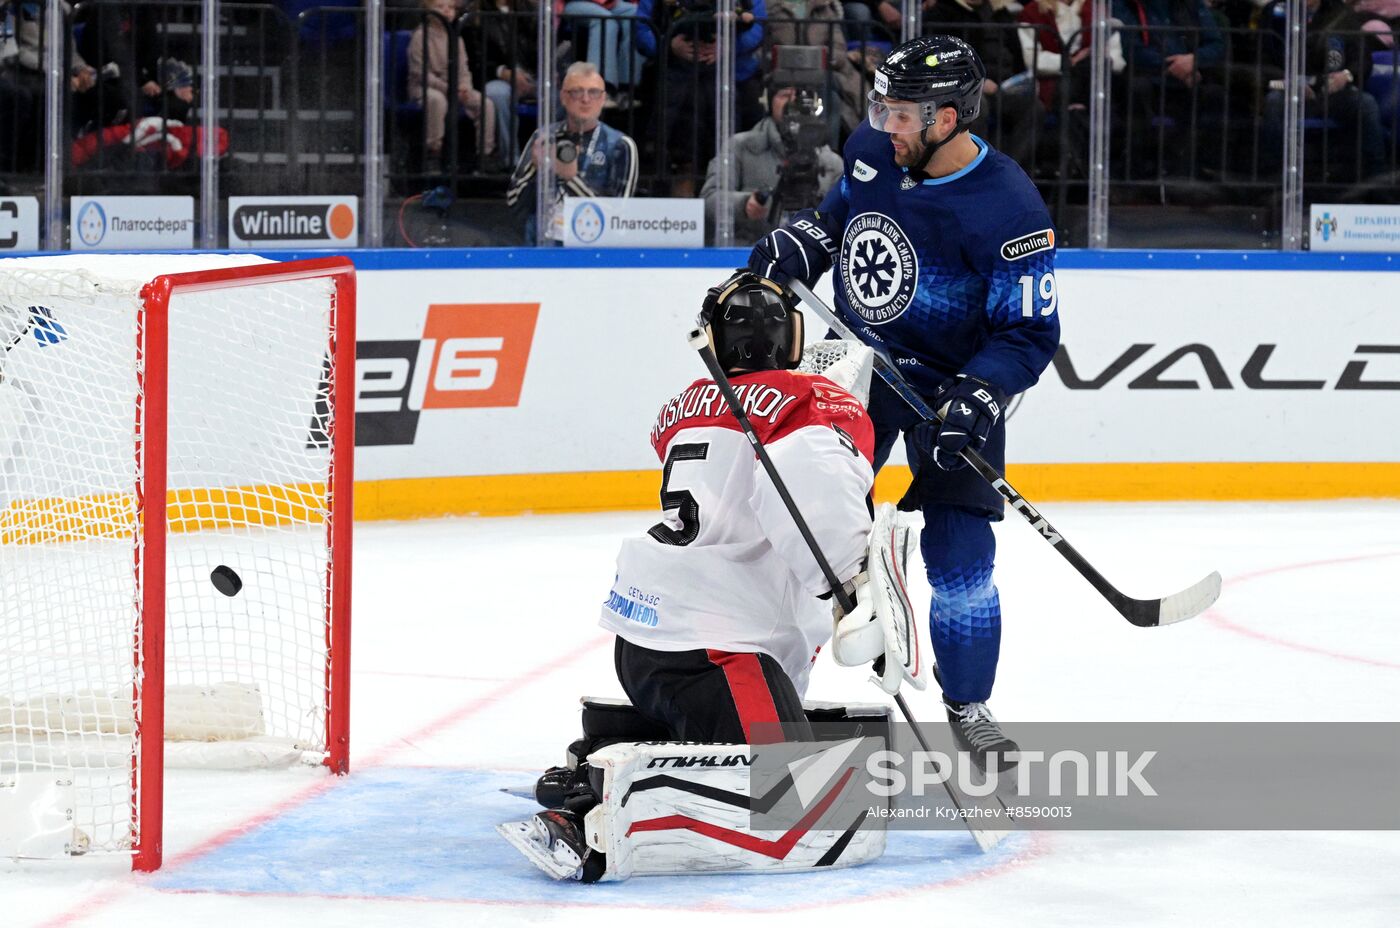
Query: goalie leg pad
(676,808)
(656,782)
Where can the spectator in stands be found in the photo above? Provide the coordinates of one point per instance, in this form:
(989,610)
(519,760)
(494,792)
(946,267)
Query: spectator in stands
(1336,61)
(1061,41)
(22,87)
(430,80)
(504,31)
(778,167)
(818,23)
(124,42)
(1011,113)
(163,142)
(610,26)
(1174,51)
(591,158)
(1381,17)
(687,110)
(1059,46)
(890,13)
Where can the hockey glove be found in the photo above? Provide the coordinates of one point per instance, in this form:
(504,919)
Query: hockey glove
(969,407)
(801,250)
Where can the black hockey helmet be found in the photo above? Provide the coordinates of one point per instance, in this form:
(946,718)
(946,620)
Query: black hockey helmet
(933,71)
(753,324)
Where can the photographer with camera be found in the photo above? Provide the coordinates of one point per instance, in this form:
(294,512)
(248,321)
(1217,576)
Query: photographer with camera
(591,158)
(784,163)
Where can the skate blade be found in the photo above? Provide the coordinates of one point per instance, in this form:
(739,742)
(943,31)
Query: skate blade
(524,837)
(520,792)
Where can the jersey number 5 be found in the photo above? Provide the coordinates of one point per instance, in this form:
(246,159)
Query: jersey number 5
(687,509)
(1047,293)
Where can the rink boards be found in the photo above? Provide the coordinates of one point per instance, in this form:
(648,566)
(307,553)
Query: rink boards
(501,381)
(498,381)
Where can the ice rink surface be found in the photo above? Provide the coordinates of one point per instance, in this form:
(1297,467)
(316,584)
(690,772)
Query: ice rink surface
(474,638)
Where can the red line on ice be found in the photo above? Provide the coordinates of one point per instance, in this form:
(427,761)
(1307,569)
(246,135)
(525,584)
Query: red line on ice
(378,758)
(1039,845)
(1217,618)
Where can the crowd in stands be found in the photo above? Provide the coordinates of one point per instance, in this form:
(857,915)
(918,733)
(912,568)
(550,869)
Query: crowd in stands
(1197,94)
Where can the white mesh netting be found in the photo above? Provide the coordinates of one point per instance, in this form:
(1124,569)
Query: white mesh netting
(248,461)
(845,363)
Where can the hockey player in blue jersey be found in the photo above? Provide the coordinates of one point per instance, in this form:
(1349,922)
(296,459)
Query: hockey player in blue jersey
(943,255)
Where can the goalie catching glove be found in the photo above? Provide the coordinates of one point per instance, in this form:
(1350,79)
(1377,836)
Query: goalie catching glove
(882,624)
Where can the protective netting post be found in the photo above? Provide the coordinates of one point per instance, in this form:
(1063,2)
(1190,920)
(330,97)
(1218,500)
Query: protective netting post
(209,121)
(547,92)
(55,127)
(372,213)
(1100,119)
(1294,88)
(724,119)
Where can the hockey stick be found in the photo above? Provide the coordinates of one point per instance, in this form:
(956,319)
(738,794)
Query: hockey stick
(986,839)
(1143,613)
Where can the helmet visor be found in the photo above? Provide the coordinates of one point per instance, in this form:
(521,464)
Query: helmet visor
(897,117)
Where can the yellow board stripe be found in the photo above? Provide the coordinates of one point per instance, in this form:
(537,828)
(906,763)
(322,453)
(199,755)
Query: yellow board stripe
(113,515)
(512,494)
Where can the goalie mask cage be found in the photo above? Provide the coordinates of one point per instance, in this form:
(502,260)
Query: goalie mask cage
(152,429)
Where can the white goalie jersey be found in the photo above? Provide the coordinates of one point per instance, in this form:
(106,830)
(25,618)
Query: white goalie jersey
(727,568)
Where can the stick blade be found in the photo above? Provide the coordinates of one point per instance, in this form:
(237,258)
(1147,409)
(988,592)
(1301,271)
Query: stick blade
(1178,607)
(1191,601)
(987,838)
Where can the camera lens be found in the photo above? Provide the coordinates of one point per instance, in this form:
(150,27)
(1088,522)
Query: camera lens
(565,151)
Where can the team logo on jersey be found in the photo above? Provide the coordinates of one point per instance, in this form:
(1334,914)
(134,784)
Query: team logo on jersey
(1028,245)
(908,183)
(863,171)
(879,268)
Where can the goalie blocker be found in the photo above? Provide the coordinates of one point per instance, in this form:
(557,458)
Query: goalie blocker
(629,806)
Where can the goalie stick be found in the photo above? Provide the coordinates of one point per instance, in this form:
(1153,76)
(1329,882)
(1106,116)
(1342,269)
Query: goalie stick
(986,838)
(1144,613)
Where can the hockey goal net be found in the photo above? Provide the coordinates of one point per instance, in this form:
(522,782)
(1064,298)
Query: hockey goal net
(176,448)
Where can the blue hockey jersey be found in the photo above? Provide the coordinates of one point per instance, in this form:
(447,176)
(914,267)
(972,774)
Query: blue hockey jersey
(948,275)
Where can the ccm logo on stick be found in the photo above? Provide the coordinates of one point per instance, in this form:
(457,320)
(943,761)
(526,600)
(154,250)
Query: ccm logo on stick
(471,355)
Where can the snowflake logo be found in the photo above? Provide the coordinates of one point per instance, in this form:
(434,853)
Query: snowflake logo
(874,268)
(879,268)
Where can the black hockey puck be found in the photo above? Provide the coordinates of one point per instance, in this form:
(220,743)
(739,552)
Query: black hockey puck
(225,580)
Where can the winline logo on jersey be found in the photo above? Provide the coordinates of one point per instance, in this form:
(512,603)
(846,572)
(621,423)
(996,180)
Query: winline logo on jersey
(1027,245)
(471,356)
(1085,776)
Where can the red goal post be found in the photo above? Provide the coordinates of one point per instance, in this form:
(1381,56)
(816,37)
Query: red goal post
(238,383)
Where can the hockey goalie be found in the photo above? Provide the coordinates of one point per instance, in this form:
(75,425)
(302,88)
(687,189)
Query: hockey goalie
(721,608)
